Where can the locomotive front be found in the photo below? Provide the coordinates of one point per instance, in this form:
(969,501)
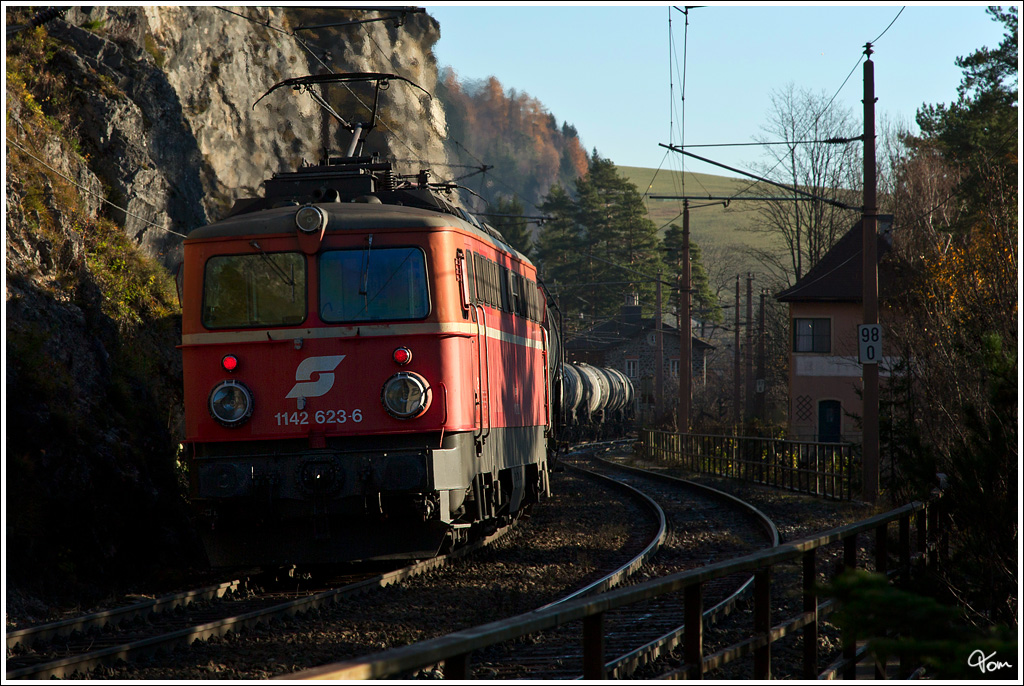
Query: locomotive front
(328,385)
(365,366)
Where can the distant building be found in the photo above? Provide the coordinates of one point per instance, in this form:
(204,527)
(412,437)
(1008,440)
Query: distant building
(629,343)
(825,308)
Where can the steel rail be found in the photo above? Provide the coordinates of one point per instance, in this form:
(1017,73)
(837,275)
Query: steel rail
(97,620)
(85,662)
(614,578)
(454,650)
(624,665)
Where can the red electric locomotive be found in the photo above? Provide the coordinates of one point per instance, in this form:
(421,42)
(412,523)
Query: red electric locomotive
(368,369)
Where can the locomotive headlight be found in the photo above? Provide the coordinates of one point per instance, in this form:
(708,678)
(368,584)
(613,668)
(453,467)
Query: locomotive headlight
(310,219)
(231,403)
(405,395)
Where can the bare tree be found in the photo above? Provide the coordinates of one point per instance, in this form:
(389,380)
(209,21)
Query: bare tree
(800,127)
(917,186)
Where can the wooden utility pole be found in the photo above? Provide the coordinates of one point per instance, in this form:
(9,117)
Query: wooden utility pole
(659,355)
(762,383)
(748,367)
(869,221)
(685,336)
(736,399)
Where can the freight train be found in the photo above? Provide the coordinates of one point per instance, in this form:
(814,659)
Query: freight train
(597,402)
(370,372)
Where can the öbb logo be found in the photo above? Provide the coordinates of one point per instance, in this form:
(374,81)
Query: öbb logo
(306,387)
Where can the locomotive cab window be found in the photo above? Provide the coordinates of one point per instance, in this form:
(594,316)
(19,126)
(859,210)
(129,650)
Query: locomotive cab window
(261,289)
(373,285)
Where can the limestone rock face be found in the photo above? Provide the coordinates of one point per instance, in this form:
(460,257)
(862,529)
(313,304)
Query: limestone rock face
(171,111)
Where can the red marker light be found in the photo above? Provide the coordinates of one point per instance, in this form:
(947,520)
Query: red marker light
(402,355)
(230,363)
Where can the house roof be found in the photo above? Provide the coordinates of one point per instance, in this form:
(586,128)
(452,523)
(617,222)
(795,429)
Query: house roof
(616,331)
(839,275)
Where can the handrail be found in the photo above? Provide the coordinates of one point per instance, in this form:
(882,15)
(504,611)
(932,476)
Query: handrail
(822,469)
(547,377)
(485,362)
(723,607)
(457,647)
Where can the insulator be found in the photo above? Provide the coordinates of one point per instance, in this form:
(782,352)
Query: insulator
(387,181)
(48,15)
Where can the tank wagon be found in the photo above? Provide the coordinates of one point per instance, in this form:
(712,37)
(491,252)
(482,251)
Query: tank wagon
(597,402)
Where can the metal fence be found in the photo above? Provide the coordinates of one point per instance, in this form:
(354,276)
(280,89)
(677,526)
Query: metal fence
(454,651)
(822,469)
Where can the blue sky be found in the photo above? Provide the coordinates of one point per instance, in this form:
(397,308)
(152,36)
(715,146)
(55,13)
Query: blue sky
(575,58)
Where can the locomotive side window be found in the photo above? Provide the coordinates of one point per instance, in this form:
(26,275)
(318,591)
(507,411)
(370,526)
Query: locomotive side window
(372,285)
(263,289)
(464,274)
(531,300)
(470,276)
(506,297)
(515,304)
(482,292)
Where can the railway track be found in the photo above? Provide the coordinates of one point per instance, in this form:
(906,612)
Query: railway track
(648,552)
(81,644)
(704,525)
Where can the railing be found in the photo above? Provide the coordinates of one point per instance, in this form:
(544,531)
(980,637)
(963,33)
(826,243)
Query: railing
(824,469)
(454,651)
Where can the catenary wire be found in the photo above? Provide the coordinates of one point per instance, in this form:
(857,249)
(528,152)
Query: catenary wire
(890,24)
(860,60)
(308,49)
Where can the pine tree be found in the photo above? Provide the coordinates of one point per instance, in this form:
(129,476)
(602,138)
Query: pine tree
(599,246)
(953,404)
(705,303)
(621,244)
(979,133)
(508,219)
(558,244)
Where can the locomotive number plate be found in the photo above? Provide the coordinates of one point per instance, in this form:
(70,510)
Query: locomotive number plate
(319,417)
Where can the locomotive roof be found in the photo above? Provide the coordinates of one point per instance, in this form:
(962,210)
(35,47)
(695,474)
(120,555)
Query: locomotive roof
(358,192)
(349,216)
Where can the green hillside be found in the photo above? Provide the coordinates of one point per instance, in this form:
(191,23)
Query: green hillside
(710,224)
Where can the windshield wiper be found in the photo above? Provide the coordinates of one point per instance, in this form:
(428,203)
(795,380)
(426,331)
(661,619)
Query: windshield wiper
(364,280)
(287,280)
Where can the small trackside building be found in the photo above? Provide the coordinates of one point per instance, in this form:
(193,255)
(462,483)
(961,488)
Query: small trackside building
(825,308)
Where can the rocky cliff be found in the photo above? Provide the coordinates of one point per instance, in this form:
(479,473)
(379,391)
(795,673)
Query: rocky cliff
(168,93)
(126,127)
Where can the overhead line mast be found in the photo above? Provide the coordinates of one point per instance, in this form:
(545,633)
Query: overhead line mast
(869,220)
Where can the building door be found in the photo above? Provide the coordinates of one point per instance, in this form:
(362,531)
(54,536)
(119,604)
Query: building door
(830,423)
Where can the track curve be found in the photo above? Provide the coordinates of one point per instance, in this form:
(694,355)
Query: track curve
(639,634)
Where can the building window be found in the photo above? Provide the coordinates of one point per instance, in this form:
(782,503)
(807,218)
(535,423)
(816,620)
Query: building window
(632,368)
(673,368)
(812,336)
